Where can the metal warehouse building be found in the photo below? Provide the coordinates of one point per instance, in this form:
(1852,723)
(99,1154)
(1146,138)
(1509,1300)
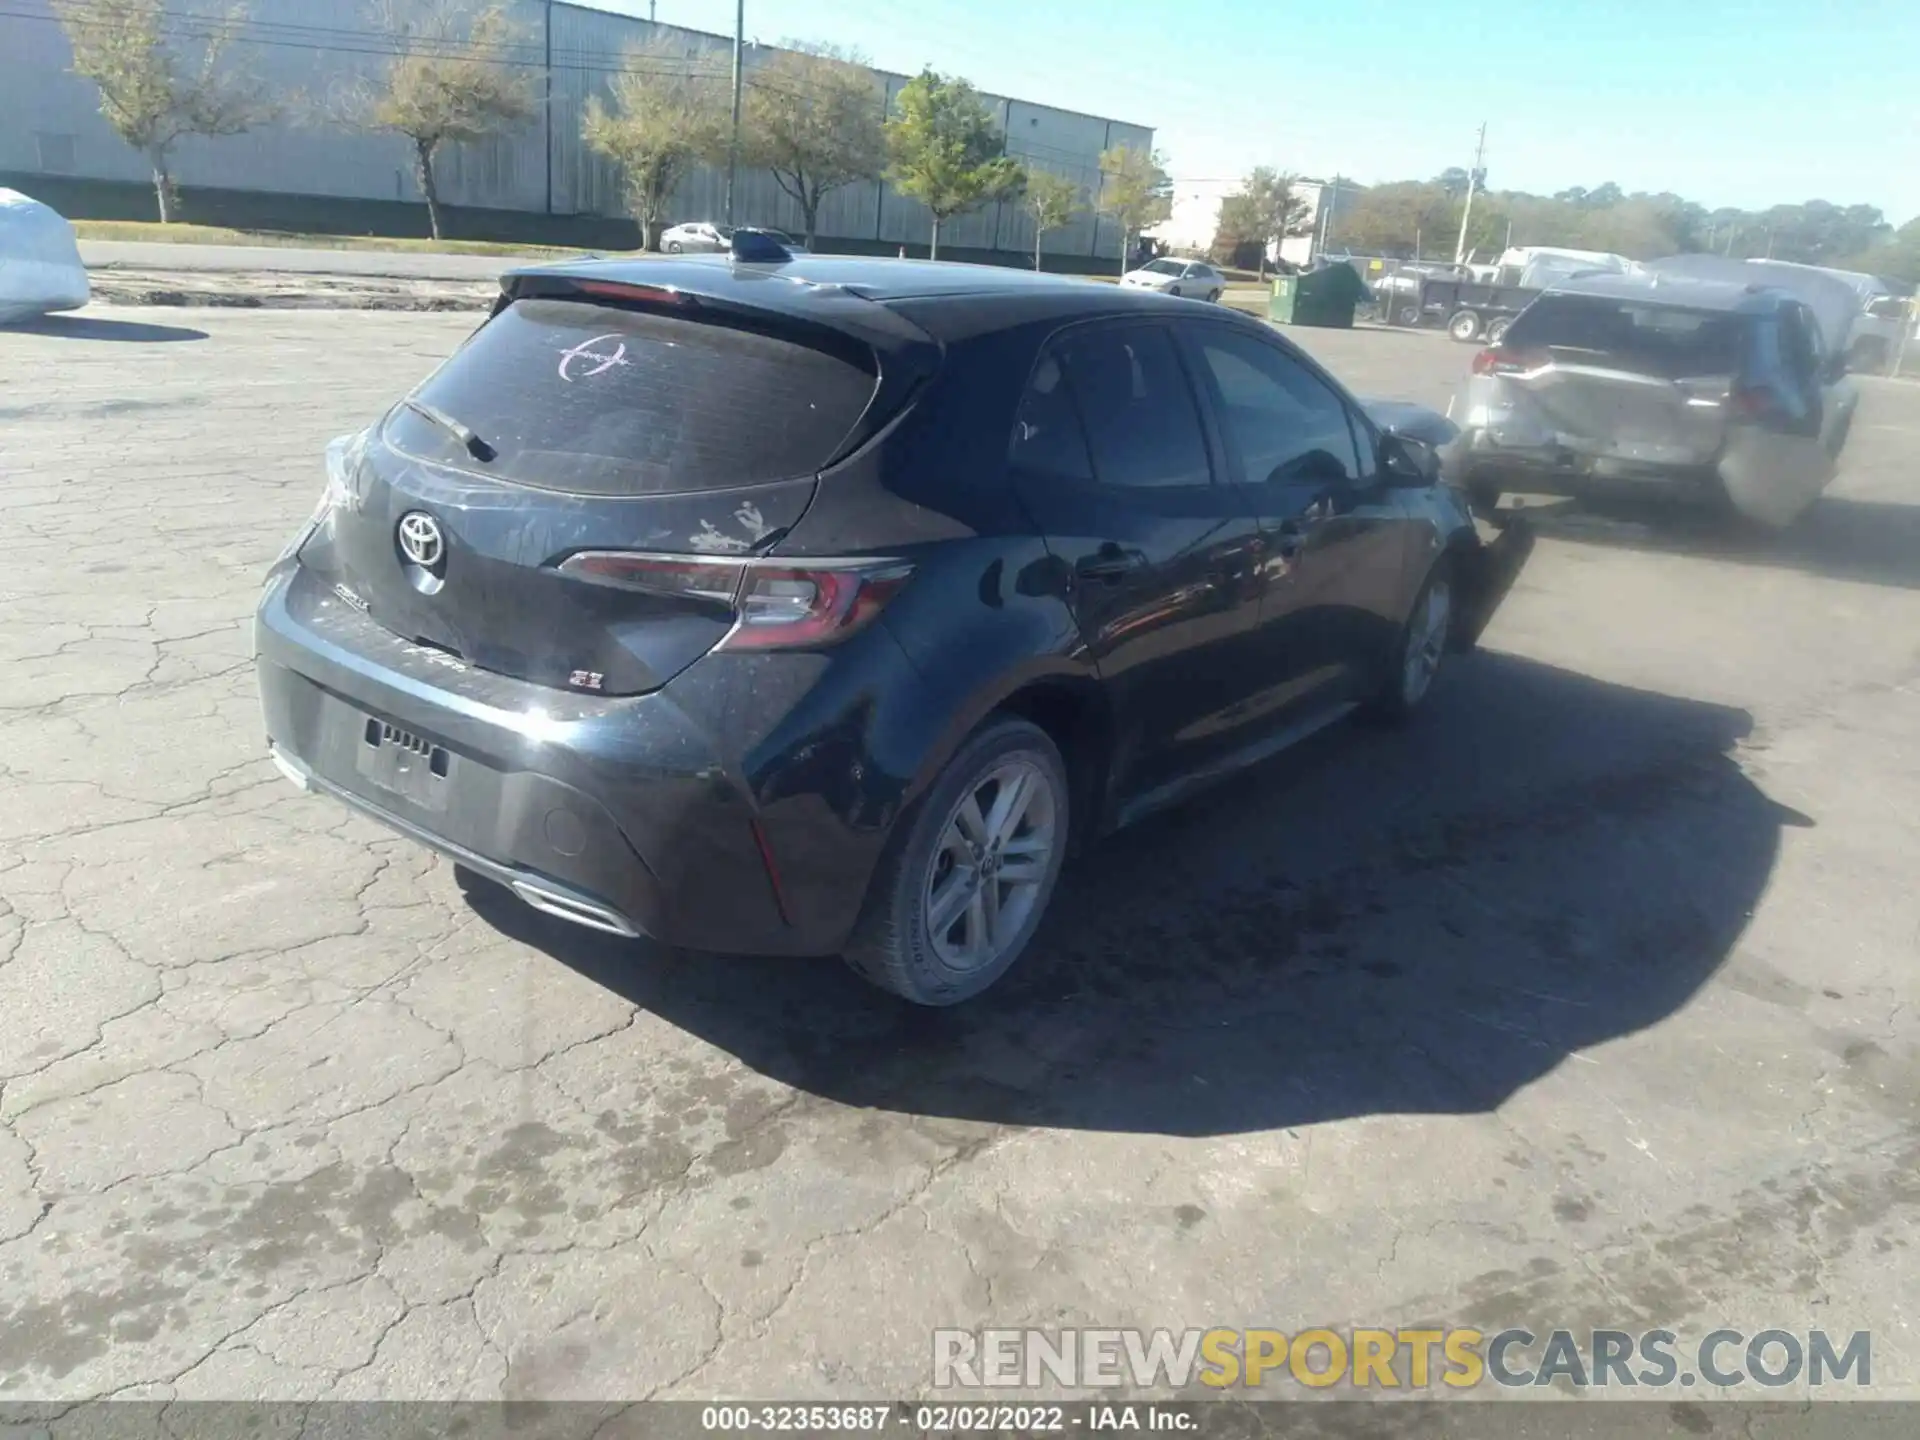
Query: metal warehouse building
(309,51)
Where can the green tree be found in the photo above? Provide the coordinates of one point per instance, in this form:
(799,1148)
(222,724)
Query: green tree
(664,121)
(1402,218)
(1273,210)
(945,150)
(452,80)
(1898,258)
(155,87)
(813,115)
(1052,200)
(1135,190)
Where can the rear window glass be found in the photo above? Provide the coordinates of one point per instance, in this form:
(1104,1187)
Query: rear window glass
(1665,339)
(1164,267)
(596,400)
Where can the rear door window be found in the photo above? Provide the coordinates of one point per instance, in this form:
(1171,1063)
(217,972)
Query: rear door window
(1048,439)
(595,400)
(1142,424)
(1665,340)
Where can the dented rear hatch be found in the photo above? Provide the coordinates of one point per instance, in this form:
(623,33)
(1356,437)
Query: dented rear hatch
(589,422)
(1612,380)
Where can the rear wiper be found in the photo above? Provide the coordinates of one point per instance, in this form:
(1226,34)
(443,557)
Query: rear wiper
(475,446)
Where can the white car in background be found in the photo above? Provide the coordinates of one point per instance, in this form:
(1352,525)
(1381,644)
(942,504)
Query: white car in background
(1192,278)
(40,269)
(702,238)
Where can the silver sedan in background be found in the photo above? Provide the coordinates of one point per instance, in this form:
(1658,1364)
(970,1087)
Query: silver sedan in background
(701,237)
(1192,278)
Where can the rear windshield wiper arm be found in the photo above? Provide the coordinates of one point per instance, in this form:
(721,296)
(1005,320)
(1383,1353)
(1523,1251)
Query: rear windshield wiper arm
(475,446)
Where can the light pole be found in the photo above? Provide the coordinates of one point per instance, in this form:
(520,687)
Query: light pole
(733,142)
(1473,183)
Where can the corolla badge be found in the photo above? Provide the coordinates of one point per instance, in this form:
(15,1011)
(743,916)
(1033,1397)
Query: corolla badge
(421,540)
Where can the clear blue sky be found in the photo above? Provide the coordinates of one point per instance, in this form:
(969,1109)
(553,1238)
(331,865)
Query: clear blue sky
(1728,103)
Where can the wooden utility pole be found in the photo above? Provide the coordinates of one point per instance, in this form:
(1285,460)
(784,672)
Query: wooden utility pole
(733,143)
(1473,184)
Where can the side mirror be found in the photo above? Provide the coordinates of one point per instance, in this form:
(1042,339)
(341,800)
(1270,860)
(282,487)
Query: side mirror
(1408,464)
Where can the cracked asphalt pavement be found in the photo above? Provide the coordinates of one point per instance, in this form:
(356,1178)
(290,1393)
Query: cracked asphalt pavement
(1589,1000)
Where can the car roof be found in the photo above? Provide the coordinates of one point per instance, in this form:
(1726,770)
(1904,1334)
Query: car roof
(875,277)
(1680,291)
(942,298)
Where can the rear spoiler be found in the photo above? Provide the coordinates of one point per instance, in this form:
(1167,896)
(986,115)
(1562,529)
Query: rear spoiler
(744,292)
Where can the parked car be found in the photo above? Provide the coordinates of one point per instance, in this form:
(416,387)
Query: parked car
(695,237)
(40,267)
(702,238)
(827,617)
(1172,276)
(1657,385)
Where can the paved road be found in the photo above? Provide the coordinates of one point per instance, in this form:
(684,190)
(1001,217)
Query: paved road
(1589,1001)
(148,255)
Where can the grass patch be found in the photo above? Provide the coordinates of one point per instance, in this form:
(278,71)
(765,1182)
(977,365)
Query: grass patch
(180,234)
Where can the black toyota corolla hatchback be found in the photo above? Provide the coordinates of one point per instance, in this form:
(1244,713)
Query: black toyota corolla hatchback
(815,605)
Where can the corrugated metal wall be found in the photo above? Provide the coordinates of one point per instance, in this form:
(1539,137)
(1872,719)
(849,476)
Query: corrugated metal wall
(311,52)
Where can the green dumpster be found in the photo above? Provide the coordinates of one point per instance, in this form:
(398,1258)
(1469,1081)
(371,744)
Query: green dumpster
(1324,297)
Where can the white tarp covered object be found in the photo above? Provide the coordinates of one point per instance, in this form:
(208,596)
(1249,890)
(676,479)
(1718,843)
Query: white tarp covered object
(40,269)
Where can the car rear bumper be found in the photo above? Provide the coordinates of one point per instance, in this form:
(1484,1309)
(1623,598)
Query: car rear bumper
(1474,460)
(540,891)
(621,813)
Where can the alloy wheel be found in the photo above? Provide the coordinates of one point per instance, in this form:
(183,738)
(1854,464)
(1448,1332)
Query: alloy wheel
(1426,642)
(991,864)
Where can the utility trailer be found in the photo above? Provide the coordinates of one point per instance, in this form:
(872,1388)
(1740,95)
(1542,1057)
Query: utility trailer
(1475,310)
(1479,306)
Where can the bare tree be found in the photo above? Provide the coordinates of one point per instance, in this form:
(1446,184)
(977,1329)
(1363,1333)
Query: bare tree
(1135,190)
(813,117)
(665,120)
(1052,200)
(156,87)
(454,78)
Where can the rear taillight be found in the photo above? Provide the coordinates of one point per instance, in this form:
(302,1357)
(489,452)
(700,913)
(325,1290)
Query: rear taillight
(775,605)
(344,456)
(1499,361)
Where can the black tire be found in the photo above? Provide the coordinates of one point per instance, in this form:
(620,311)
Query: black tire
(1485,495)
(1408,315)
(1497,331)
(1214,297)
(892,946)
(1464,326)
(1396,700)
(673,247)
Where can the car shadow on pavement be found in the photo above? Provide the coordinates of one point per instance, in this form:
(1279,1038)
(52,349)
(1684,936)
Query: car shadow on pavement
(1875,542)
(1413,921)
(94,327)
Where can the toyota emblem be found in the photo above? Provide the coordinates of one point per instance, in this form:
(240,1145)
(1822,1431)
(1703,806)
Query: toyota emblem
(421,540)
